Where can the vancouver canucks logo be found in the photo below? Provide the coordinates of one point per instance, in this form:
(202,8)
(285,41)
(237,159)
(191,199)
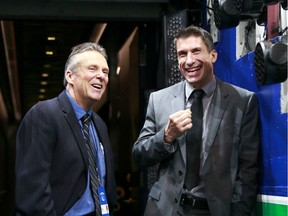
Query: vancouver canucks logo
(102,196)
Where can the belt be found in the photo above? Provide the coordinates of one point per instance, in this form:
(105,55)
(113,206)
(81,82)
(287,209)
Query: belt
(190,201)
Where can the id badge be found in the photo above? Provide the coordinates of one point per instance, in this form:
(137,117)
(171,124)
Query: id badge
(103,201)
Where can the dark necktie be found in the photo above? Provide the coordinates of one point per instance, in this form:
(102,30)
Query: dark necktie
(193,141)
(94,177)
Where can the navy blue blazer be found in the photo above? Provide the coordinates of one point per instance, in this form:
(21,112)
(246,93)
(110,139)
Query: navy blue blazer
(51,161)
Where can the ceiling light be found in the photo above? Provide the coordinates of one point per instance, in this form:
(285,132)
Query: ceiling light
(45,74)
(49,52)
(43,82)
(41,96)
(51,38)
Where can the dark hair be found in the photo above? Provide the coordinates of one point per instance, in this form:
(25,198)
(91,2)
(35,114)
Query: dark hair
(197,32)
(78,49)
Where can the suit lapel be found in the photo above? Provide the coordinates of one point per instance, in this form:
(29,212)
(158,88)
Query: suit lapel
(215,114)
(74,124)
(178,103)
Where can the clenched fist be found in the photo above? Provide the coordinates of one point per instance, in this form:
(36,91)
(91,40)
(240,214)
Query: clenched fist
(178,124)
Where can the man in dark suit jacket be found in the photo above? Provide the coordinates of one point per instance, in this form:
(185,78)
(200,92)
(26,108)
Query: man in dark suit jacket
(51,157)
(230,138)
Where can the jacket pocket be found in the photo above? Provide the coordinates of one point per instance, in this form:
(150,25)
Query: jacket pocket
(155,191)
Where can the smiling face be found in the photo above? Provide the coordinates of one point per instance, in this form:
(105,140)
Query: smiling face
(195,62)
(89,80)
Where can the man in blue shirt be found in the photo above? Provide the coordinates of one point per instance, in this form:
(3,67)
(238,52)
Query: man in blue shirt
(52,169)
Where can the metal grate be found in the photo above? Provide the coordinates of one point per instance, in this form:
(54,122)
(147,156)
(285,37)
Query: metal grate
(259,61)
(172,24)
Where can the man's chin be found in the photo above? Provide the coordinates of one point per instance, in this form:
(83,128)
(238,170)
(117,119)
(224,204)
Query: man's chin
(192,80)
(96,97)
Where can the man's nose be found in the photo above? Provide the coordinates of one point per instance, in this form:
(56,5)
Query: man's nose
(190,59)
(100,74)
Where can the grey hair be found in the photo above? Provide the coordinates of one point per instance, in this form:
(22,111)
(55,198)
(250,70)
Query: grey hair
(72,62)
(197,32)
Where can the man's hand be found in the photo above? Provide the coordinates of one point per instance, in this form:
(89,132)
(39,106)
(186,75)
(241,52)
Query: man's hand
(178,124)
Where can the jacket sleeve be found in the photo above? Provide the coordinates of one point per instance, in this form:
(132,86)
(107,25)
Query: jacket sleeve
(149,148)
(34,147)
(245,188)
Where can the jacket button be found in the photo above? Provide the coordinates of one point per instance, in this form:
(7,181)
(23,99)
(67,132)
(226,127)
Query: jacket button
(176,200)
(180,173)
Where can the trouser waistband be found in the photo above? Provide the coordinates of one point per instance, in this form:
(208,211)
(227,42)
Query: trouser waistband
(190,201)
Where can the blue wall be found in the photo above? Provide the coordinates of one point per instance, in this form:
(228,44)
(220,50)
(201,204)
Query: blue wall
(273,124)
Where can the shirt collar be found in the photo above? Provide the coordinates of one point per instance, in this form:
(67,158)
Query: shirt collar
(208,88)
(79,111)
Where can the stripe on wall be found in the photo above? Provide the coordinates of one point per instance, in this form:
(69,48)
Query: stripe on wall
(272,199)
(272,205)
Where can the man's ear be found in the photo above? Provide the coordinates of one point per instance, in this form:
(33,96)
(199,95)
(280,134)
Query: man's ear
(213,56)
(69,76)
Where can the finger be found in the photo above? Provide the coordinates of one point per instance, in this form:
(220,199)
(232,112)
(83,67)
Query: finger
(180,113)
